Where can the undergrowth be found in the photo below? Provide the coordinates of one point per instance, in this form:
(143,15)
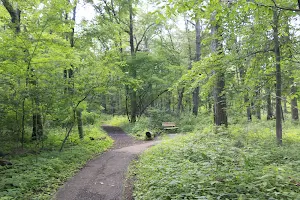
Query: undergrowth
(152,122)
(37,175)
(241,162)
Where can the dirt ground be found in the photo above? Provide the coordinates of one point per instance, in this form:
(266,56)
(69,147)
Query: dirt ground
(103,178)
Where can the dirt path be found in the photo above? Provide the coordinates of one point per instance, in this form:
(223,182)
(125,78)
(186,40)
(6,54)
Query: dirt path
(103,177)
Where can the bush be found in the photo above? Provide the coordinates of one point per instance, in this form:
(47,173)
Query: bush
(89,117)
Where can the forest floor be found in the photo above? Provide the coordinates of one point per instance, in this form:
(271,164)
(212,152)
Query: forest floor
(105,176)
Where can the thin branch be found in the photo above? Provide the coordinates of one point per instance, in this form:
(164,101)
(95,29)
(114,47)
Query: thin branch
(145,108)
(144,34)
(278,7)
(191,22)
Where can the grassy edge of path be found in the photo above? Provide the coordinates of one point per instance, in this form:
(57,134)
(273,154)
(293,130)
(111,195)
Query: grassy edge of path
(39,176)
(215,166)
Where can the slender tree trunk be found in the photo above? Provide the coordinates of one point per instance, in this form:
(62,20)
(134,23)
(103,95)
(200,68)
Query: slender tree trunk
(219,94)
(246,97)
(249,114)
(270,114)
(278,78)
(71,77)
(294,103)
(196,91)
(168,102)
(180,100)
(79,123)
(284,105)
(133,94)
(23,123)
(37,126)
(257,105)
(37,122)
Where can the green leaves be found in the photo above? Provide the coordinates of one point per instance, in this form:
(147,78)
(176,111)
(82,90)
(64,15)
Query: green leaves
(31,179)
(211,166)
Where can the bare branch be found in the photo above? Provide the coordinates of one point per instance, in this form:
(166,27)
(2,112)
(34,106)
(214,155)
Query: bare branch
(144,34)
(191,22)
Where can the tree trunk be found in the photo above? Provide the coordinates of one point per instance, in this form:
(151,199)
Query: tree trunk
(284,105)
(79,123)
(37,126)
(257,105)
(168,102)
(220,114)
(71,77)
(278,78)
(270,114)
(133,94)
(246,97)
(196,91)
(180,100)
(249,114)
(220,100)
(294,103)
(15,15)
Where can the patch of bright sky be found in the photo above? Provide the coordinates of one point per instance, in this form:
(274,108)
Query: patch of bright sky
(85,11)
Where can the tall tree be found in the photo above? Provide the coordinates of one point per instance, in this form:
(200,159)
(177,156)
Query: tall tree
(196,91)
(220,113)
(278,76)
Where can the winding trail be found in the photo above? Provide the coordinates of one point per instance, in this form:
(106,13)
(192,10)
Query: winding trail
(103,178)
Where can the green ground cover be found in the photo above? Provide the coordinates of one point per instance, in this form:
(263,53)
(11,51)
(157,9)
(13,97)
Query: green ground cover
(241,162)
(37,175)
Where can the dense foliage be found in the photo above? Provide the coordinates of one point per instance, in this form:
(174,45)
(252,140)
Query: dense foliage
(224,62)
(241,163)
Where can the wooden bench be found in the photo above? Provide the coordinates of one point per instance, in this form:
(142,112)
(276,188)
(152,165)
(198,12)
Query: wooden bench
(169,126)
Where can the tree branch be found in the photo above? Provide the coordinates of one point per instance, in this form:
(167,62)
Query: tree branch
(145,108)
(279,7)
(194,23)
(10,10)
(144,34)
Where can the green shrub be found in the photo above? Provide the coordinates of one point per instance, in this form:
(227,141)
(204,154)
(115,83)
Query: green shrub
(118,120)
(89,117)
